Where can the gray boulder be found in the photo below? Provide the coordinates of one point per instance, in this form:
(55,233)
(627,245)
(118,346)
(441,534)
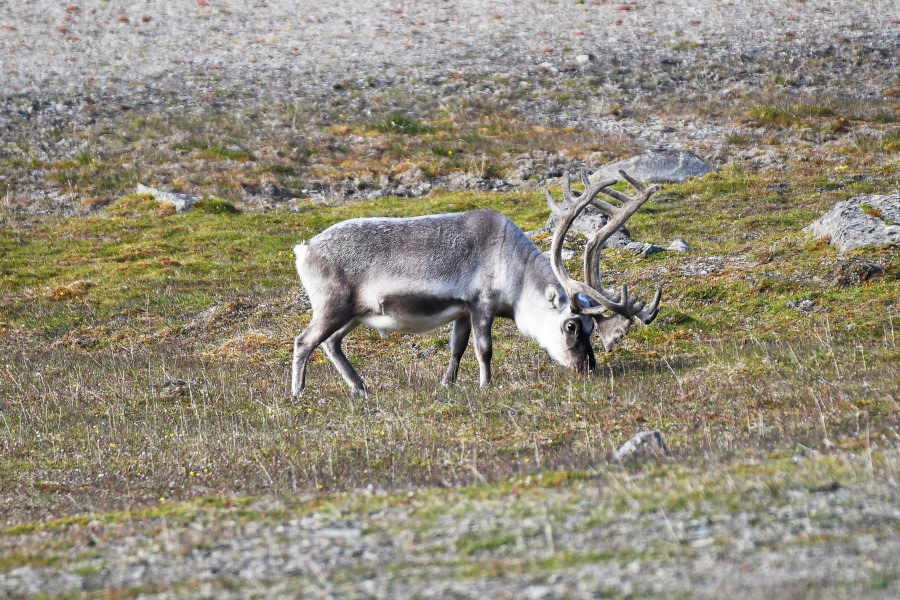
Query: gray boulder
(869,220)
(660,165)
(589,222)
(182,202)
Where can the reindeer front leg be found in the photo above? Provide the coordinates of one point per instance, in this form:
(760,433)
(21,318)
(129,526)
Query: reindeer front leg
(482,320)
(459,339)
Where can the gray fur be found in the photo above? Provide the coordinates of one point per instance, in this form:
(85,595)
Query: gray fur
(419,273)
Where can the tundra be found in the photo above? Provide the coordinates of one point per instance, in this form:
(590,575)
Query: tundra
(416,274)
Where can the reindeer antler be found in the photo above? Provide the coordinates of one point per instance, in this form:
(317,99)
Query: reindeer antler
(568,210)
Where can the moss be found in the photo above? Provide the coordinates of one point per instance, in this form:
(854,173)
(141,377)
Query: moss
(215,206)
(475,543)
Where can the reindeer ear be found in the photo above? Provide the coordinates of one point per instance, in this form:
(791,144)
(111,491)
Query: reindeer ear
(585,301)
(553,296)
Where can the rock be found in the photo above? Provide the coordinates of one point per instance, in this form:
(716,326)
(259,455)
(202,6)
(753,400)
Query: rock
(855,271)
(643,248)
(182,202)
(590,222)
(660,165)
(643,446)
(869,220)
(534,168)
(805,305)
(174,388)
(458,180)
(679,245)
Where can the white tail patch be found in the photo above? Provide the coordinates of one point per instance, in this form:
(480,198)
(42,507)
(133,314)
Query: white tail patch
(300,251)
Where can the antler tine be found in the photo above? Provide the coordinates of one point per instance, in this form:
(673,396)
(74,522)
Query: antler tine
(585,178)
(563,206)
(631,181)
(555,207)
(567,188)
(620,303)
(648,313)
(643,196)
(568,210)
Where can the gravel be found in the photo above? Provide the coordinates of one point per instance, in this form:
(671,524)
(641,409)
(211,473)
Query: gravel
(831,540)
(285,48)
(622,70)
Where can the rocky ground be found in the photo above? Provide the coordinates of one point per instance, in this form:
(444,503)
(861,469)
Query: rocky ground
(816,530)
(300,100)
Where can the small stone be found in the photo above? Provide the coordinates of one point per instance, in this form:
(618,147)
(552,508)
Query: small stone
(679,245)
(174,388)
(643,446)
(181,202)
(806,305)
(583,59)
(643,248)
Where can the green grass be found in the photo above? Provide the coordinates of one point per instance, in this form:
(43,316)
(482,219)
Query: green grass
(400,123)
(215,150)
(98,312)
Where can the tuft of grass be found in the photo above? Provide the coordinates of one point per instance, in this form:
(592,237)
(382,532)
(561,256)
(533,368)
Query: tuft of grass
(215,206)
(769,116)
(739,140)
(807,116)
(812,110)
(886,118)
(216,150)
(400,123)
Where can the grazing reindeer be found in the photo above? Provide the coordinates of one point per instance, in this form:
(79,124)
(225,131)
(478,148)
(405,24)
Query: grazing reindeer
(413,275)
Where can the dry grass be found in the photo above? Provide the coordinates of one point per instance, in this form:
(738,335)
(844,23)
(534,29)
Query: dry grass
(145,354)
(93,431)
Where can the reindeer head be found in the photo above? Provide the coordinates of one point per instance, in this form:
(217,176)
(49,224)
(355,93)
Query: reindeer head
(590,298)
(566,335)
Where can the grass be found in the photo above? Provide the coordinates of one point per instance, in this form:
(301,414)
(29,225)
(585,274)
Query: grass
(100,312)
(400,123)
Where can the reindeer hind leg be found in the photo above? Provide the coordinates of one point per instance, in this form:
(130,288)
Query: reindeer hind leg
(332,347)
(322,326)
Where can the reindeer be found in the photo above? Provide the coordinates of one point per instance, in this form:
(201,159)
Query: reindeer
(416,274)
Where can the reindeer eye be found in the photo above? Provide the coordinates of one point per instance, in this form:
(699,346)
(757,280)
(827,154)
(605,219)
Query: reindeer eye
(571,327)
